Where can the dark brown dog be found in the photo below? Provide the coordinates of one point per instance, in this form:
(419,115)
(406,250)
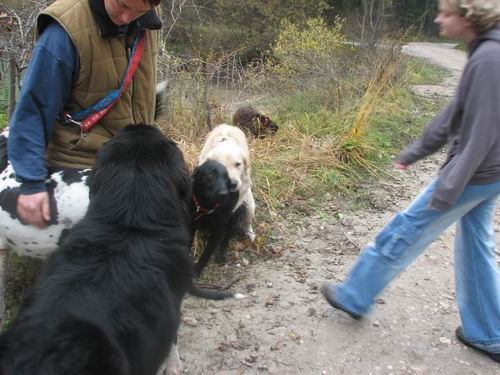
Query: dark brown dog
(250,120)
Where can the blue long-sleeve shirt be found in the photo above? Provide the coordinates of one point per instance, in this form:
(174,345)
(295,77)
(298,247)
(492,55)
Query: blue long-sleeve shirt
(47,86)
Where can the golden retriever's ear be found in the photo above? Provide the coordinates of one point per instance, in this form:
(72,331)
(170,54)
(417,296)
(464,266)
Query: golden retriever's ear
(245,178)
(246,165)
(246,155)
(204,156)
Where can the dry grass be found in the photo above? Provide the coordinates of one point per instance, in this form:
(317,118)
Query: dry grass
(311,145)
(326,138)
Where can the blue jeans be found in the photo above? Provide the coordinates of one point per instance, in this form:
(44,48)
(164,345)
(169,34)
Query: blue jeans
(410,232)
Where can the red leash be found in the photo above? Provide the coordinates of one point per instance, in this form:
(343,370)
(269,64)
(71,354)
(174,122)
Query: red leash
(88,117)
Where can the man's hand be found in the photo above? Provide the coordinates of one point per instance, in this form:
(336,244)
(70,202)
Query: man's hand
(398,165)
(33,209)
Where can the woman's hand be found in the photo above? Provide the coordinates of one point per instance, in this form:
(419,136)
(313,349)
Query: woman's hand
(399,165)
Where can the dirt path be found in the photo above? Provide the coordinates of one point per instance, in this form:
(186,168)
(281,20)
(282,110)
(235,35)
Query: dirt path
(285,327)
(444,55)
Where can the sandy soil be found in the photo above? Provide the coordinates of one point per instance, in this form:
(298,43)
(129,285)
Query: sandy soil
(285,326)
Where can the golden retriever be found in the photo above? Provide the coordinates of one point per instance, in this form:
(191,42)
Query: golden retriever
(227,146)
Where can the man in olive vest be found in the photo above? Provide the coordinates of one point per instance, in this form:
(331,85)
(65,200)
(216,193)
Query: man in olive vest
(82,53)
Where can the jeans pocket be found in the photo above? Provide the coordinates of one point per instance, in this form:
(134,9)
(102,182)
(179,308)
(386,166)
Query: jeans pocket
(400,235)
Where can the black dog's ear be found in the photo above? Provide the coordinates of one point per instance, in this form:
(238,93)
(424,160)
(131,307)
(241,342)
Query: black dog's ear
(264,120)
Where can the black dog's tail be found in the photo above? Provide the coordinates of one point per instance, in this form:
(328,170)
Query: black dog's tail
(213,294)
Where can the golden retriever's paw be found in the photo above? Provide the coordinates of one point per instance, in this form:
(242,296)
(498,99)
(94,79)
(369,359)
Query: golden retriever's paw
(251,235)
(172,364)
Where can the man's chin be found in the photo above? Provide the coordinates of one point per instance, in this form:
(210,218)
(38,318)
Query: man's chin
(116,21)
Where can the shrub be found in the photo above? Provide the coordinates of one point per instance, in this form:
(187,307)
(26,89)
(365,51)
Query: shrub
(309,53)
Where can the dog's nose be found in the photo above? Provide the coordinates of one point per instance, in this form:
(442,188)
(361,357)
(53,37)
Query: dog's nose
(233,185)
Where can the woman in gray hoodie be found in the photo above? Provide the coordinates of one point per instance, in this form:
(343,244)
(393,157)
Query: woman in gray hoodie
(465,190)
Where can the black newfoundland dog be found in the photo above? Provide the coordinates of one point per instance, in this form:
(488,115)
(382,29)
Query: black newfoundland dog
(109,299)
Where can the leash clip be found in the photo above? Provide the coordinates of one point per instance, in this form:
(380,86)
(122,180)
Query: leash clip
(65,119)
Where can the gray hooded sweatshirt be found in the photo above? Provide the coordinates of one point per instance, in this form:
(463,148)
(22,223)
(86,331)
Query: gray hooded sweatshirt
(470,125)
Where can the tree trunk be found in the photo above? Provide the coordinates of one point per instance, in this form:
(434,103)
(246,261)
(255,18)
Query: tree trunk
(363,22)
(12,85)
(208,78)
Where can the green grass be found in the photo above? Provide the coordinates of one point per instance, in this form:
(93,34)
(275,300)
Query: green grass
(3,120)
(310,156)
(22,273)
(462,46)
(4,93)
(4,102)
(420,72)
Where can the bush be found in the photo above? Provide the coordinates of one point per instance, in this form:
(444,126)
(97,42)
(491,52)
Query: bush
(343,110)
(309,53)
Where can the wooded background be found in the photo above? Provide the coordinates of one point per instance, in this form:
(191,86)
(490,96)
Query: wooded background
(214,33)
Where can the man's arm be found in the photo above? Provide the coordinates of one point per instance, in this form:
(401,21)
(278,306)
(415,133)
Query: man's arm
(46,88)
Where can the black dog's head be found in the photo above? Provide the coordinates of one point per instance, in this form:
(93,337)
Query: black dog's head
(267,126)
(210,183)
(213,190)
(139,176)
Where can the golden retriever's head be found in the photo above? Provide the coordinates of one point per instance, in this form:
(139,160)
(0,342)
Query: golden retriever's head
(235,159)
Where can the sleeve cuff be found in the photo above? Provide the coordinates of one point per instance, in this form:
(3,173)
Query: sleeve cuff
(405,158)
(28,188)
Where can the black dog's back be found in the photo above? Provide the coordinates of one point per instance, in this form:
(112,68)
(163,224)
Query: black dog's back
(76,348)
(98,310)
(109,299)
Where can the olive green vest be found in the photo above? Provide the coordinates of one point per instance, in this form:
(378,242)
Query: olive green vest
(103,62)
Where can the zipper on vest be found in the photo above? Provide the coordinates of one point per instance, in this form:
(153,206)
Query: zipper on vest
(128,50)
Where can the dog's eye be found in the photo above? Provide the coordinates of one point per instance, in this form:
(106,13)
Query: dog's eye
(237,164)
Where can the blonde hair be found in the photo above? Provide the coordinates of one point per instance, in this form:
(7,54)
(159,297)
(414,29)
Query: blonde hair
(482,14)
